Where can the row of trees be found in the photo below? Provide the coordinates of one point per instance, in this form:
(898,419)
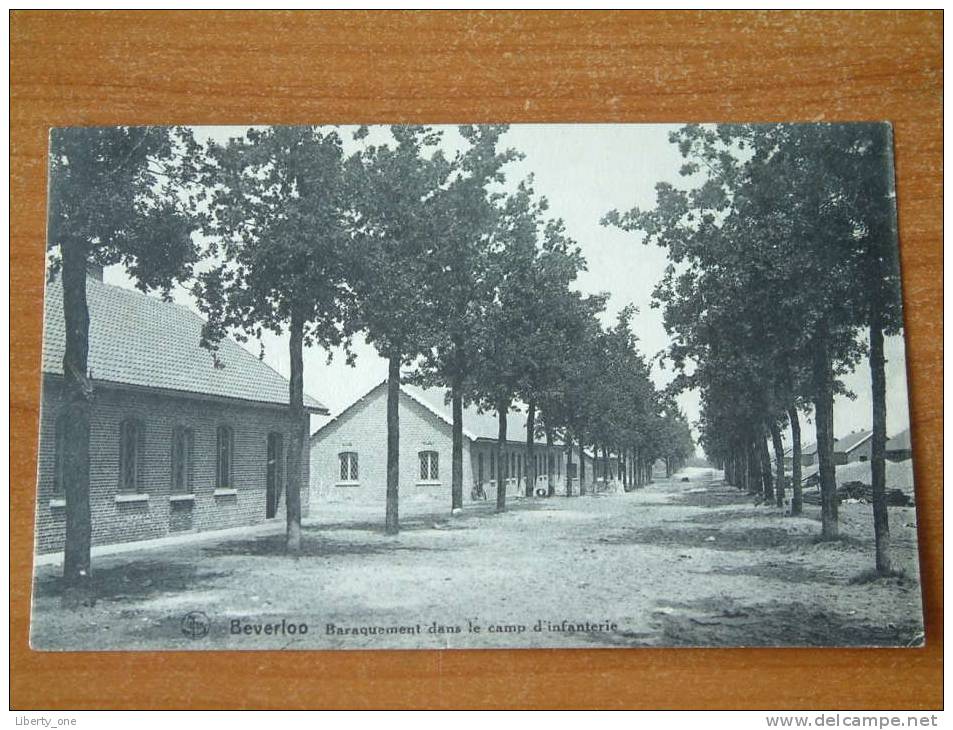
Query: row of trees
(783,274)
(453,280)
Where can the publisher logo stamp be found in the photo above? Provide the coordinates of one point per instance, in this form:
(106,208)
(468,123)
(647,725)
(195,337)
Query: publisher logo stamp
(195,624)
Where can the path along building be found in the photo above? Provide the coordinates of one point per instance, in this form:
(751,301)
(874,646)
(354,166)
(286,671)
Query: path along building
(349,453)
(177,443)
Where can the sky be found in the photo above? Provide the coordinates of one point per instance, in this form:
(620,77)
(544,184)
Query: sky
(584,170)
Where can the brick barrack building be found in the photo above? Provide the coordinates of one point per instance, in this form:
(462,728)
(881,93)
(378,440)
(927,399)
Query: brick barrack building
(178,443)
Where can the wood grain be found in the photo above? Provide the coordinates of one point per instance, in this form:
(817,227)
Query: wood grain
(217,67)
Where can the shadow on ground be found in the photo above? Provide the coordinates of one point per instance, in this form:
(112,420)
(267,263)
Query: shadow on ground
(713,538)
(315,542)
(718,621)
(134,581)
(785,572)
(472,515)
(713,516)
(714,496)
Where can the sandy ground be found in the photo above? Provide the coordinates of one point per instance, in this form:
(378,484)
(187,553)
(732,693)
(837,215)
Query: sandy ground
(679,563)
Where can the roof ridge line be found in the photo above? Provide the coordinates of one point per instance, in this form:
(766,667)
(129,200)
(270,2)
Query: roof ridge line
(347,408)
(466,432)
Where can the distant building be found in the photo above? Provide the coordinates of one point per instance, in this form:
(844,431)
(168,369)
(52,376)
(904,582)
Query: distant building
(898,448)
(349,453)
(808,455)
(176,444)
(855,446)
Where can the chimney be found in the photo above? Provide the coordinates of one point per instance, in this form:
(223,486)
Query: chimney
(94,270)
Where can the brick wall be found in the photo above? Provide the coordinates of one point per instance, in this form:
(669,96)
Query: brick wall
(115,521)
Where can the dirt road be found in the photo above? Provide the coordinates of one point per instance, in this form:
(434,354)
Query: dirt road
(676,563)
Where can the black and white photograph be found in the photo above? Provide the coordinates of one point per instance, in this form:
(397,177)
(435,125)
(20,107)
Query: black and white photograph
(474,387)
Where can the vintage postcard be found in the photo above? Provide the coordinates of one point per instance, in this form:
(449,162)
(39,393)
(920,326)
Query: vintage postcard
(526,386)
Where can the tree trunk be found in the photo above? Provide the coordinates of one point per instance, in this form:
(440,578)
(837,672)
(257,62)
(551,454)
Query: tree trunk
(797,502)
(824,418)
(531,449)
(296,445)
(78,396)
(767,485)
(878,388)
(456,398)
(568,464)
(620,470)
(779,468)
(582,465)
(550,486)
(501,410)
(751,464)
(456,457)
(741,467)
(605,467)
(392,518)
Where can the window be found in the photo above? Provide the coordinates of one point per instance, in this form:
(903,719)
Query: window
(429,466)
(183,448)
(349,471)
(132,438)
(224,457)
(492,466)
(59,453)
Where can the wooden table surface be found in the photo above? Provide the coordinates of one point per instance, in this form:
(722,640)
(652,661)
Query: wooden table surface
(218,67)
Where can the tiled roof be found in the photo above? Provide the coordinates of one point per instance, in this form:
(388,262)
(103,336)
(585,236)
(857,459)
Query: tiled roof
(852,440)
(135,339)
(806,449)
(476,425)
(900,442)
(842,445)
